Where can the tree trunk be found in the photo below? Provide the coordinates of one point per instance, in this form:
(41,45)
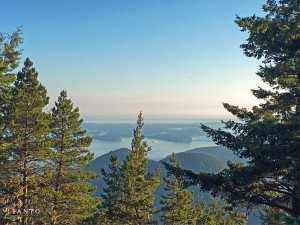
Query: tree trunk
(25,191)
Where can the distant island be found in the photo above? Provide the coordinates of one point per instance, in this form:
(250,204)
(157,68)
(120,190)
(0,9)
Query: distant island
(178,133)
(172,137)
(107,138)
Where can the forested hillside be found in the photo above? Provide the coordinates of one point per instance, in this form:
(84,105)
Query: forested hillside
(194,161)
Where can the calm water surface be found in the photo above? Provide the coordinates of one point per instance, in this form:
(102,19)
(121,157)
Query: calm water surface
(160,149)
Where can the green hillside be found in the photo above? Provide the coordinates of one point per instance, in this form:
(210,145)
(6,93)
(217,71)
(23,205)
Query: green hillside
(206,159)
(193,161)
(218,152)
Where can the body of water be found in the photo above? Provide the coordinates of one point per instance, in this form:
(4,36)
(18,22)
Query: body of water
(160,149)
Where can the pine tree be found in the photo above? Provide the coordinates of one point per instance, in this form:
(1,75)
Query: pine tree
(272,216)
(198,211)
(217,215)
(112,205)
(68,192)
(9,55)
(138,184)
(177,203)
(26,143)
(268,136)
(9,59)
(129,196)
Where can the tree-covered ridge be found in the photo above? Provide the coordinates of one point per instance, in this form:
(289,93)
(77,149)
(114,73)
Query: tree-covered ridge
(112,188)
(194,161)
(197,161)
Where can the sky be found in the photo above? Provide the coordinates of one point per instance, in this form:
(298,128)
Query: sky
(166,58)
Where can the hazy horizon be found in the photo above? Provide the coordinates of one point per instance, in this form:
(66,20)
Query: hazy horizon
(151,119)
(114,58)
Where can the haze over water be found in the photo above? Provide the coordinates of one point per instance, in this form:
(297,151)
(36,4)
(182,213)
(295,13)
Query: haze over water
(160,148)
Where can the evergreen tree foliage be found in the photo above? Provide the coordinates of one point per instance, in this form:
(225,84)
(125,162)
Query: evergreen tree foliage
(111,205)
(68,192)
(138,184)
(268,136)
(272,216)
(129,196)
(178,207)
(9,59)
(26,144)
(9,56)
(177,203)
(198,212)
(216,215)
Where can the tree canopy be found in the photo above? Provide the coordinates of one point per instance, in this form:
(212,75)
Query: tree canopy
(42,155)
(268,136)
(129,196)
(176,204)
(67,195)
(26,143)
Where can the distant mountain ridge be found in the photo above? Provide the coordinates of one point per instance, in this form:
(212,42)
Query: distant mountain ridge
(221,153)
(189,160)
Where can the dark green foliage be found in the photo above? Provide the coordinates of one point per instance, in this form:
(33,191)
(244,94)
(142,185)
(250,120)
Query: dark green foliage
(129,196)
(26,142)
(198,162)
(272,216)
(111,206)
(216,215)
(198,209)
(9,60)
(67,195)
(218,152)
(198,212)
(268,136)
(9,56)
(138,184)
(194,161)
(176,204)
(42,159)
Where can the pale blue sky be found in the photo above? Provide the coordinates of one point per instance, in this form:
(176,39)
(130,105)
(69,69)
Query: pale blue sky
(174,58)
